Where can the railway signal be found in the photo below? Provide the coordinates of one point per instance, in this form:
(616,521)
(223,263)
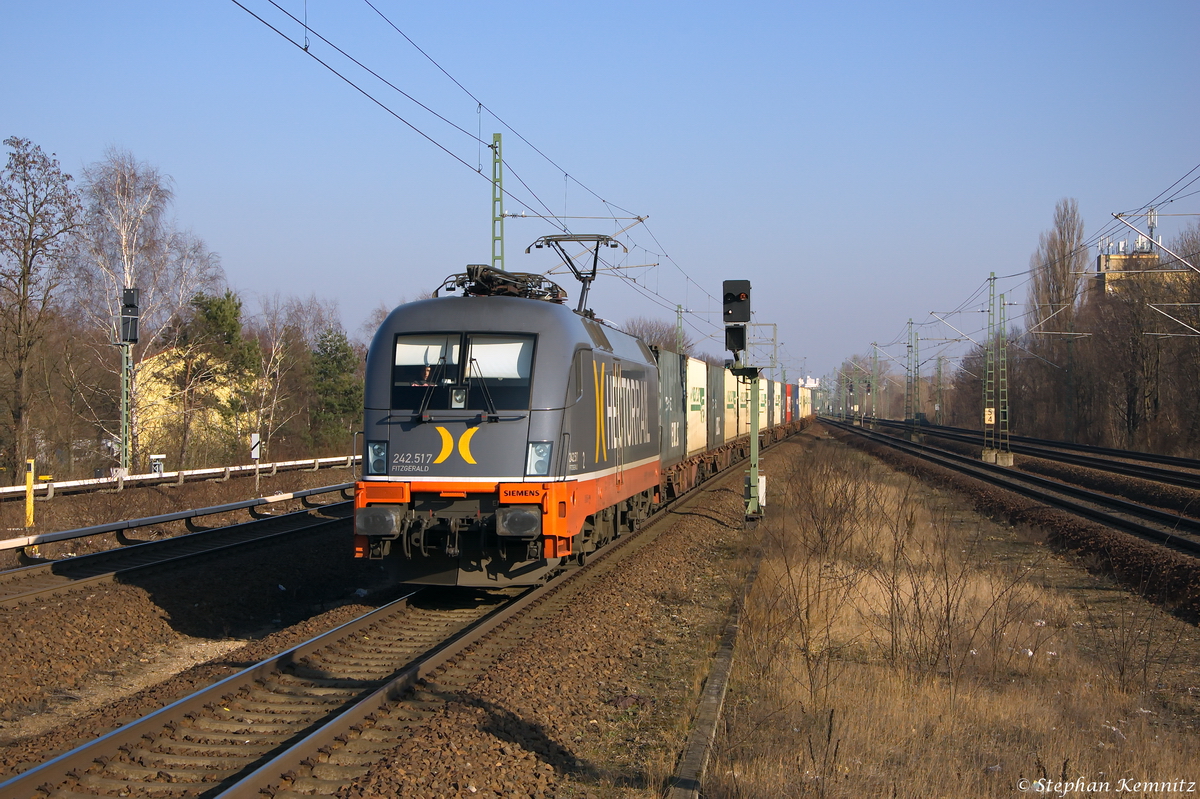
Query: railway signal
(736,306)
(128,324)
(129,316)
(735,338)
(736,300)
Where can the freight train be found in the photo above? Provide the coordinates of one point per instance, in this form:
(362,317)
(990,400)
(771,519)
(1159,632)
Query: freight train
(507,436)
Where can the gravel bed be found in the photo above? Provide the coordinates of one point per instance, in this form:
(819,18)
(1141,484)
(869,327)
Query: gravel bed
(17,756)
(57,650)
(1145,491)
(1161,574)
(1158,495)
(598,702)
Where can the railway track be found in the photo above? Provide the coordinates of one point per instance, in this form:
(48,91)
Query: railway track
(1108,460)
(41,580)
(313,719)
(1161,527)
(195,746)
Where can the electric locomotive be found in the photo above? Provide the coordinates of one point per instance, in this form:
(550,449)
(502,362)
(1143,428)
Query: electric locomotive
(506,435)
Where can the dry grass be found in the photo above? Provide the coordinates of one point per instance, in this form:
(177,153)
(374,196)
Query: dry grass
(896,646)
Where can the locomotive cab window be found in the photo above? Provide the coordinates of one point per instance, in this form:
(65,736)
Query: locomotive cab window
(425,365)
(453,371)
(498,371)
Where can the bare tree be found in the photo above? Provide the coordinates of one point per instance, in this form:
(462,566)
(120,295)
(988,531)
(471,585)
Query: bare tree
(312,316)
(39,212)
(379,313)
(288,331)
(280,348)
(1056,269)
(658,333)
(129,242)
(374,319)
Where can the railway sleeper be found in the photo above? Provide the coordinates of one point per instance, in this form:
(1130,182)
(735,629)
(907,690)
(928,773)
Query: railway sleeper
(272,716)
(332,772)
(339,677)
(388,735)
(368,659)
(317,683)
(154,775)
(242,728)
(411,642)
(368,671)
(372,670)
(307,690)
(366,676)
(205,739)
(381,645)
(307,787)
(243,750)
(151,775)
(354,751)
(278,698)
(130,787)
(149,758)
(286,708)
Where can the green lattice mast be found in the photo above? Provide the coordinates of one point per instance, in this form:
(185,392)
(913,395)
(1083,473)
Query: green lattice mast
(497,204)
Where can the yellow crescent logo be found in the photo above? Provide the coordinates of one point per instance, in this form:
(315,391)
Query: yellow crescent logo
(447,444)
(464,445)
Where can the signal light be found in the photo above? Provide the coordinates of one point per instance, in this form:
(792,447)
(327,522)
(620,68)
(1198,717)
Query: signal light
(736,300)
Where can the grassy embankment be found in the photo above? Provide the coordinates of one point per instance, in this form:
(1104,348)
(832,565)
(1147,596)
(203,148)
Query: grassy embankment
(898,645)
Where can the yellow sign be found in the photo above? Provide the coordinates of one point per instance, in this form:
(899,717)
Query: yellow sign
(989,415)
(29,493)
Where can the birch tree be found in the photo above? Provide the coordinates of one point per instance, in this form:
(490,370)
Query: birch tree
(129,242)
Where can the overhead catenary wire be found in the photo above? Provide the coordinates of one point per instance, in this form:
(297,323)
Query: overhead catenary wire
(1171,194)
(556,219)
(485,107)
(376,100)
(567,176)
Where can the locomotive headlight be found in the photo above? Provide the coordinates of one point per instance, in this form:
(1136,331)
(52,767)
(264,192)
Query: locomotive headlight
(377,457)
(381,521)
(537,461)
(519,521)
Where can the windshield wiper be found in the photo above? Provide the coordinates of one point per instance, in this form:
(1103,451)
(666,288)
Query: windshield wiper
(434,381)
(487,395)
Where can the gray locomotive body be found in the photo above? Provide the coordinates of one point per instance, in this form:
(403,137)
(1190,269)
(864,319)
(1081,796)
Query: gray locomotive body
(504,437)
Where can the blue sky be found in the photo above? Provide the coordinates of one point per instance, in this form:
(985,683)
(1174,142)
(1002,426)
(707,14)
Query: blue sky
(860,163)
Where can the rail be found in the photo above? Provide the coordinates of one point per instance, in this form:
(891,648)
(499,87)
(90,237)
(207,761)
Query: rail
(1079,501)
(129,524)
(46,490)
